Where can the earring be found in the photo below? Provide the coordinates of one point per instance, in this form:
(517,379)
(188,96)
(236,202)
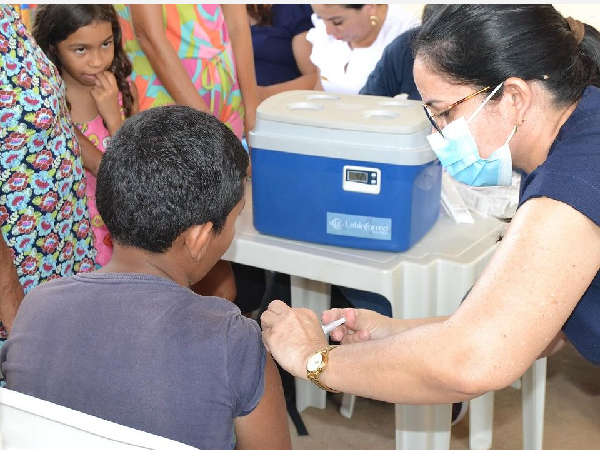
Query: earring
(374,20)
(518,125)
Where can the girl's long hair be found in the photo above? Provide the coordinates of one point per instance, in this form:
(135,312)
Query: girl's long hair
(54,23)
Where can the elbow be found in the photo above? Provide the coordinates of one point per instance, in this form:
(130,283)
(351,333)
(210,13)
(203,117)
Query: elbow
(468,384)
(145,42)
(481,371)
(144,39)
(311,79)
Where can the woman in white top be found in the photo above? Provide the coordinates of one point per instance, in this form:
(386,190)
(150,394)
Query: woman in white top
(348,40)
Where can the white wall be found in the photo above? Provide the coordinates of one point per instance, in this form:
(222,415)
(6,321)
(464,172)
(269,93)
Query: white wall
(589,14)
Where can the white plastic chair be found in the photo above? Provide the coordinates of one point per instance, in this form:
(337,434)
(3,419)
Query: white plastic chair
(28,423)
(481,410)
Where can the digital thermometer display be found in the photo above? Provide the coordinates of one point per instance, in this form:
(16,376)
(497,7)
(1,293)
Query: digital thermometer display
(365,180)
(354,175)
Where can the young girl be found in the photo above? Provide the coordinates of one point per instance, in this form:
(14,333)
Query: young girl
(85,44)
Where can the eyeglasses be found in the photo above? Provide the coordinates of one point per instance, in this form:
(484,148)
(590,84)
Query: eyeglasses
(432,117)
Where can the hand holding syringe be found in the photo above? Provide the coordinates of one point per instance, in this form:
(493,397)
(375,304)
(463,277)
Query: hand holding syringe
(333,325)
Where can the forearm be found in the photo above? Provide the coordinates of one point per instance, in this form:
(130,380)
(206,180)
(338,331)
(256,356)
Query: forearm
(372,325)
(241,43)
(420,366)
(318,85)
(90,154)
(303,82)
(11,292)
(246,76)
(113,124)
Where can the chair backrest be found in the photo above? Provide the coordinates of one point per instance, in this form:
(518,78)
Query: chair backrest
(28,423)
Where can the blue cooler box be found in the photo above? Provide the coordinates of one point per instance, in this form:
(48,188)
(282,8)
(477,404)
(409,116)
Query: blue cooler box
(345,170)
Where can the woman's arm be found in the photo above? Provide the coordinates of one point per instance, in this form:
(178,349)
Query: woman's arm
(238,27)
(539,272)
(10,287)
(364,324)
(147,21)
(555,345)
(318,85)
(301,49)
(266,427)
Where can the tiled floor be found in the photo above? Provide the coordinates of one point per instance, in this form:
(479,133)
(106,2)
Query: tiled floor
(572,416)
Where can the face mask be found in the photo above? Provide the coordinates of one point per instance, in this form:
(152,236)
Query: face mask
(458,153)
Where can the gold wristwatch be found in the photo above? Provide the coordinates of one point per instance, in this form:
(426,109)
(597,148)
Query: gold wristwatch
(316,364)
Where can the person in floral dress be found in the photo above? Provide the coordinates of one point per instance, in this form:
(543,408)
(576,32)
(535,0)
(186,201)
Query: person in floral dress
(43,212)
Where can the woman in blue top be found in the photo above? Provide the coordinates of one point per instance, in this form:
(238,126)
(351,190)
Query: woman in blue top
(504,86)
(281,51)
(282,63)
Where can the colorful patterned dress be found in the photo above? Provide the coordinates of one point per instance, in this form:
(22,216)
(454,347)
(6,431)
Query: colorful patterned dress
(43,212)
(198,34)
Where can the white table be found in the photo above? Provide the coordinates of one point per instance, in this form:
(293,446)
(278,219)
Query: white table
(430,279)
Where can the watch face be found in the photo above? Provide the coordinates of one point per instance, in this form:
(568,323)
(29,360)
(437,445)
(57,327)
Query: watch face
(314,362)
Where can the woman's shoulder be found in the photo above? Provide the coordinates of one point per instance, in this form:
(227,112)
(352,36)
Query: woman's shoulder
(292,12)
(583,125)
(570,173)
(294,18)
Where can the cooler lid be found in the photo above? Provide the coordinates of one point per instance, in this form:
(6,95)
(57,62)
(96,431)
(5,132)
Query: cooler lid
(351,112)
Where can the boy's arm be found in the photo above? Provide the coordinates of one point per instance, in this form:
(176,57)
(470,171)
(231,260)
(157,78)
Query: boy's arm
(267,426)
(11,292)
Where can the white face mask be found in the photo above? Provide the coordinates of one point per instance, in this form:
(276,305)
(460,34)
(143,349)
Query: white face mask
(459,155)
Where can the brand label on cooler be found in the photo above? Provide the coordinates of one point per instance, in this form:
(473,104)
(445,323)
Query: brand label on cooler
(359,226)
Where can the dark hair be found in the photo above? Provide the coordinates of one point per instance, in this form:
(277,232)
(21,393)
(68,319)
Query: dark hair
(166,169)
(484,44)
(54,23)
(353,6)
(429,9)
(263,14)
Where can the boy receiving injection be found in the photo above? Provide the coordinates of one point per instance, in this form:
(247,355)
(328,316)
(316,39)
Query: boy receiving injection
(131,342)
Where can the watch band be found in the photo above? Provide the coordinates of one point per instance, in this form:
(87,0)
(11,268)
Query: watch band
(323,386)
(314,376)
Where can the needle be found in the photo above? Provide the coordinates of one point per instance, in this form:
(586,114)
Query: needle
(333,325)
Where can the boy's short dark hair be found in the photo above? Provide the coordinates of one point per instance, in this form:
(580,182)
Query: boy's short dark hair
(166,169)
